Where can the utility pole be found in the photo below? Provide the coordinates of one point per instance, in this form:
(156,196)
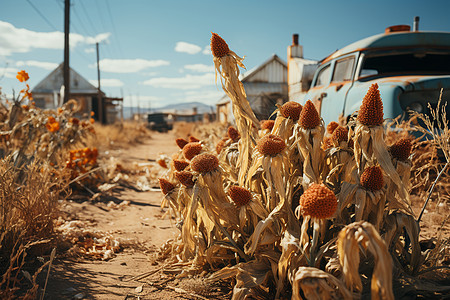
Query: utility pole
(66,66)
(99,93)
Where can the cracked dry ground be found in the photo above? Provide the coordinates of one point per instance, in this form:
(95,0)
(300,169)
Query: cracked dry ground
(140,228)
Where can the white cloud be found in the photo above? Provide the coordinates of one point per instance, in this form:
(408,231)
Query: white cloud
(187,48)
(128,65)
(89,50)
(200,68)
(8,72)
(38,64)
(187,82)
(107,82)
(21,40)
(210,97)
(207,50)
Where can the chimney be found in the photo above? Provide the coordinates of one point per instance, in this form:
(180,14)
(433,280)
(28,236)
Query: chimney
(295,39)
(295,50)
(416,23)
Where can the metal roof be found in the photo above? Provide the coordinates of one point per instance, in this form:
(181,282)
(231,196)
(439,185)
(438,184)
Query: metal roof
(396,40)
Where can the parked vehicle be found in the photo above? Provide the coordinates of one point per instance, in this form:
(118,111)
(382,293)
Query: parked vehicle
(410,68)
(159,122)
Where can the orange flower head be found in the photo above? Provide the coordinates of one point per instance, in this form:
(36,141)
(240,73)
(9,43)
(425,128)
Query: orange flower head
(91,120)
(51,119)
(52,125)
(309,117)
(162,163)
(205,163)
(181,142)
(22,76)
(371,110)
(233,134)
(185,178)
(25,107)
(92,113)
(239,195)
(267,124)
(191,150)
(339,135)
(74,121)
(180,165)
(193,139)
(291,110)
(60,110)
(372,178)
(166,186)
(318,201)
(401,149)
(271,145)
(327,143)
(331,127)
(219,47)
(220,145)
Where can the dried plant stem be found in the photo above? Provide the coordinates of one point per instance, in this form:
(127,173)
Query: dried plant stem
(431,191)
(52,256)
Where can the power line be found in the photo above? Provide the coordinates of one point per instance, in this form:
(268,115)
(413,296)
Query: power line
(114,28)
(42,15)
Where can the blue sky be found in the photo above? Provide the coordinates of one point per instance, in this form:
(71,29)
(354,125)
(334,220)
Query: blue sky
(158,51)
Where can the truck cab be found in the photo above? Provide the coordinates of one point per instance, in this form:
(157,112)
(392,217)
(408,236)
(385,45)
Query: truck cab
(410,68)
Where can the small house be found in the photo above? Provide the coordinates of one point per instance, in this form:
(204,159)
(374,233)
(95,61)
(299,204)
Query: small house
(48,94)
(265,86)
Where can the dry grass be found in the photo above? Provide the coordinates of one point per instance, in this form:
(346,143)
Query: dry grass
(119,135)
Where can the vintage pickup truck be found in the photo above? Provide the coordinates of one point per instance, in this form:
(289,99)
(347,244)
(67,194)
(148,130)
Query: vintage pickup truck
(410,68)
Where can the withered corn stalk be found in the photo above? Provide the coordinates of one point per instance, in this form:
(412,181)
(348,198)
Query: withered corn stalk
(226,63)
(279,218)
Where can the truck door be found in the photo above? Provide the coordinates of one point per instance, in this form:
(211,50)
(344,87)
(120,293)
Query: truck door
(332,99)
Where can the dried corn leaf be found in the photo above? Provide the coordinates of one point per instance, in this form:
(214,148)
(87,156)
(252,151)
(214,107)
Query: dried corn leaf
(365,235)
(317,284)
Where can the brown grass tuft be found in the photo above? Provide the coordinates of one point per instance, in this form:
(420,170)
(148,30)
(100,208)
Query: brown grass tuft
(181,142)
(309,117)
(331,127)
(233,134)
(291,110)
(340,134)
(371,110)
(372,178)
(185,178)
(166,186)
(204,163)
(191,150)
(180,165)
(401,149)
(271,145)
(318,201)
(267,124)
(239,195)
(219,47)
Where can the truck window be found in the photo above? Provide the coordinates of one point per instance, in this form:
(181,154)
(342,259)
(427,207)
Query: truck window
(343,69)
(406,63)
(323,76)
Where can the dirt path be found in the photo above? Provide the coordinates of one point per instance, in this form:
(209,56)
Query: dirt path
(138,226)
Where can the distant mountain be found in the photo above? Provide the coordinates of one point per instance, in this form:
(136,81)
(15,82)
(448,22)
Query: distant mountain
(180,108)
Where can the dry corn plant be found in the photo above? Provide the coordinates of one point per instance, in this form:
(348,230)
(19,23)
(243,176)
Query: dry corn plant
(243,224)
(309,132)
(364,235)
(226,63)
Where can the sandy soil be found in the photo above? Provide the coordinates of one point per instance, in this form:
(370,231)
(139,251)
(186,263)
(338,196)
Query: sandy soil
(140,229)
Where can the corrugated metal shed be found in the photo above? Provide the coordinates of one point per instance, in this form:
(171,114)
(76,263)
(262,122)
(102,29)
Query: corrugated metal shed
(272,70)
(265,86)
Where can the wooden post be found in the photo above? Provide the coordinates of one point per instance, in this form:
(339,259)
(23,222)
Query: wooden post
(101,117)
(66,66)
